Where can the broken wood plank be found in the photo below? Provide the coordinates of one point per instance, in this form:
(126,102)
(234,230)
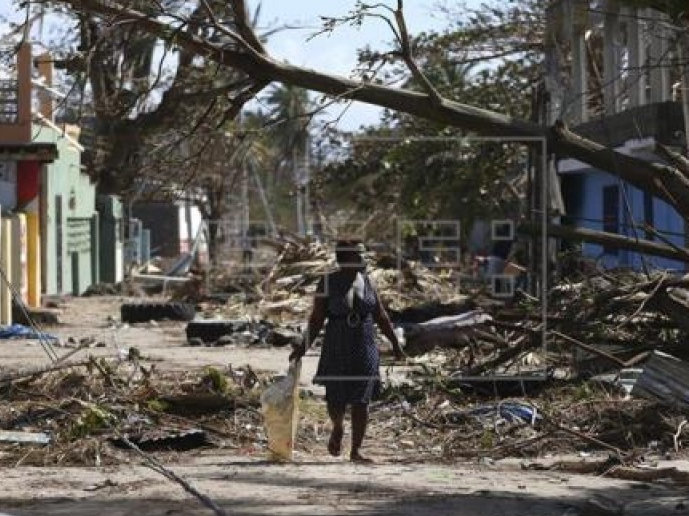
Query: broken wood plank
(37,371)
(452,331)
(7,436)
(591,349)
(665,379)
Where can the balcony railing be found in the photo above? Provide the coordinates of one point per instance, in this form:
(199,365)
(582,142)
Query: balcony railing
(9,101)
(664,121)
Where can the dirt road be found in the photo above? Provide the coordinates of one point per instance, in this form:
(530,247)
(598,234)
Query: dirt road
(162,343)
(243,483)
(316,485)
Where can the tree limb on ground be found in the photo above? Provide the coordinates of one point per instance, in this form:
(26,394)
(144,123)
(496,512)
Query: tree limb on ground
(592,236)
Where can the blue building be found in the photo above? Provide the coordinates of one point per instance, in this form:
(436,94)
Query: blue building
(601,201)
(628,96)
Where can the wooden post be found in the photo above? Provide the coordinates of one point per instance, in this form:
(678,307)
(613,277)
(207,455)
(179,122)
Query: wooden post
(6,265)
(611,58)
(637,58)
(659,58)
(33,248)
(19,266)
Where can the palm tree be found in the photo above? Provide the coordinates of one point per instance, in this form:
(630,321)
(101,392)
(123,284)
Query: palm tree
(289,120)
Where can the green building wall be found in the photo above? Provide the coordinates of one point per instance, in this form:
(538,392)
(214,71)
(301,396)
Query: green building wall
(69,219)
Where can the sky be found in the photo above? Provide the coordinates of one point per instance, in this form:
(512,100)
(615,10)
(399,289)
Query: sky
(334,53)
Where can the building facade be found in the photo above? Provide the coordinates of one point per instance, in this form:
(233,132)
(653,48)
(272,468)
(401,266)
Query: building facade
(614,75)
(52,227)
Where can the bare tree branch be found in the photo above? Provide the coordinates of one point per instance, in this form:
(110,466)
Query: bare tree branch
(244,26)
(659,180)
(408,57)
(673,157)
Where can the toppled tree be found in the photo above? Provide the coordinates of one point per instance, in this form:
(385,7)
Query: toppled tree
(222,33)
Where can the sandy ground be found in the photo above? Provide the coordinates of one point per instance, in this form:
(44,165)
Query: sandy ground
(162,343)
(315,484)
(246,486)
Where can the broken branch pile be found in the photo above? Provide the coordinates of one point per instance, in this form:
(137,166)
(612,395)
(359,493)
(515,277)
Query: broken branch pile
(300,265)
(86,414)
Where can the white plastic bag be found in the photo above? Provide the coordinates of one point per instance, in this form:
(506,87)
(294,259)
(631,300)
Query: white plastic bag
(280,409)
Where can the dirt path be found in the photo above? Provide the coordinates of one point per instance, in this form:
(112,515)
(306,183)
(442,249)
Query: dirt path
(163,343)
(245,484)
(318,485)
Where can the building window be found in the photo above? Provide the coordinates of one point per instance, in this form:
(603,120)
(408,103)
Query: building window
(611,211)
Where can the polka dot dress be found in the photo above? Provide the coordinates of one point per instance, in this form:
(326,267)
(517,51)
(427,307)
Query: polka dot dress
(349,363)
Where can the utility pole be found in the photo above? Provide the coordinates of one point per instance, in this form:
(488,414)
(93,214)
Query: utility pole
(296,170)
(683,54)
(245,216)
(264,201)
(307,186)
(301,181)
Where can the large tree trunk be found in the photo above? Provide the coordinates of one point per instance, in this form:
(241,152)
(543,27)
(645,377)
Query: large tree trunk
(592,236)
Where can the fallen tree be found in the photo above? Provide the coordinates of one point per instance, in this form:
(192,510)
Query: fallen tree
(242,50)
(574,234)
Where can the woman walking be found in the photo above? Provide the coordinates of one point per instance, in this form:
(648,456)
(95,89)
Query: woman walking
(349,363)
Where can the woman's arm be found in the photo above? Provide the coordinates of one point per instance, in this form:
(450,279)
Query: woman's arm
(316,319)
(385,325)
(315,324)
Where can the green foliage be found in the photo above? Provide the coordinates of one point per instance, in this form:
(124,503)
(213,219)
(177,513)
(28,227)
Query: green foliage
(583,392)
(490,59)
(488,439)
(91,420)
(157,405)
(216,381)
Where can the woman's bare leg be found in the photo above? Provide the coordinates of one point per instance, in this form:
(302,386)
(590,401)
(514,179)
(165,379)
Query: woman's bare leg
(337,415)
(359,423)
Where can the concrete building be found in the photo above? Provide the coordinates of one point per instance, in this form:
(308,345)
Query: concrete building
(612,75)
(43,184)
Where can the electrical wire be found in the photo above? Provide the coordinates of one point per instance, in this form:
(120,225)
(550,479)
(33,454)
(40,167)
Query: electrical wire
(665,232)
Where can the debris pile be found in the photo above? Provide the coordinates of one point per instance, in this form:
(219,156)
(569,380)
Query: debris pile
(599,368)
(86,413)
(288,285)
(431,421)
(227,332)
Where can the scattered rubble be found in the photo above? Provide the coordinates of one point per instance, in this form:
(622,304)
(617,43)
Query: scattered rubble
(85,413)
(486,378)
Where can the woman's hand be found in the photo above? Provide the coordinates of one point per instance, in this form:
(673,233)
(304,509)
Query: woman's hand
(399,353)
(298,351)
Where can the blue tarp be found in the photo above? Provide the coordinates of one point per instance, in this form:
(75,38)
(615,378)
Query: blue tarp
(509,411)
(19,331)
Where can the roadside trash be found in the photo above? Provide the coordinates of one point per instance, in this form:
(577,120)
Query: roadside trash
(19,331)
(508,412)
(24,437)
(628,378)
(281,413)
